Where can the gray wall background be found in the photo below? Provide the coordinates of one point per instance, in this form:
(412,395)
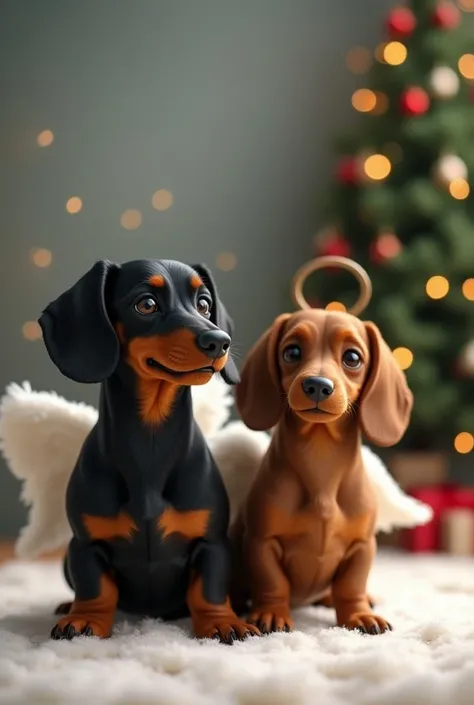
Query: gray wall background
(229,104)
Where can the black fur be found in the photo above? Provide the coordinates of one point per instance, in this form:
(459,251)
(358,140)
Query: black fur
(128,466)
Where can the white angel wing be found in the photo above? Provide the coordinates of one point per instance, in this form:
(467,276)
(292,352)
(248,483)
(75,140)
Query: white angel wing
(395,509)
(41,435)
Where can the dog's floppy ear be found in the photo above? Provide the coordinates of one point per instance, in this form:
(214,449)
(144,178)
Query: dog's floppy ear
(386,400)
(77,331)
(260,399)
(221,319)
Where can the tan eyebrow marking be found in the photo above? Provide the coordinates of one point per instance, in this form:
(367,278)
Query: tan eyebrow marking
(302,330)
(157,280)
(196,281)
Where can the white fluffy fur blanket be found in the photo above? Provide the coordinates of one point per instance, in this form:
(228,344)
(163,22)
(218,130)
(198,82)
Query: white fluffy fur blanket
(41,435)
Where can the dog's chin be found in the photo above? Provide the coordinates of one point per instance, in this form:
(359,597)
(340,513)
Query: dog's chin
(152,369)
(318,415)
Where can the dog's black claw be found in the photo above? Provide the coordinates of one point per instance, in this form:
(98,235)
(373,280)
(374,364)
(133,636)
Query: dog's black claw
(389,627)
(70,632)
(286,629)
(264,629)
(88,631)
(375,629)
(245,635)
(216,637)
(231,638)
(56,633)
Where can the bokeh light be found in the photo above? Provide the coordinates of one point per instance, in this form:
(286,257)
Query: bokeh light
(381,105)
(459,189)
(359,60)
(437,287)
(31,331)
(364,100)
(226,261)
(45,138)
(162,199)
(377,167)
(74,204)
(41,257)
(466,5)
(464,442)
(394,53)
(131,219)
(466,66)
(404,357)
(468,289)
(335,306)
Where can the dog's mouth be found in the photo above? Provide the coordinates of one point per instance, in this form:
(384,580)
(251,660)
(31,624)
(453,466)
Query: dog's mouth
(155,365)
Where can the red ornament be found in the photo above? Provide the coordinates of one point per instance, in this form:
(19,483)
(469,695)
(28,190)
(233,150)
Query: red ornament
(415,101)
(385,247)
(401,22)
(346,171)
(446,16)
(337,246)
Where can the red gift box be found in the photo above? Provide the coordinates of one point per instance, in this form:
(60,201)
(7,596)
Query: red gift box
(428,538)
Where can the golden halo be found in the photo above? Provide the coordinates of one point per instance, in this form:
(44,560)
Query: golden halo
(333,261)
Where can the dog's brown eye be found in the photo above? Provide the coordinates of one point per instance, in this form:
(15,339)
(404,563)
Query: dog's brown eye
(292,353)
(204,307)
(146,305)
(351,359)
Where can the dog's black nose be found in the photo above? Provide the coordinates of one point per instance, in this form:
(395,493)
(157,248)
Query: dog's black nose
(214,343)
(318,388)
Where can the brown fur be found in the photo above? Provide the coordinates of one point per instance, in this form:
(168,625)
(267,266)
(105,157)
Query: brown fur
(97,615)
(306,529)
(107,528)
(192,524)
(196,281)
(157,280)
(209,620)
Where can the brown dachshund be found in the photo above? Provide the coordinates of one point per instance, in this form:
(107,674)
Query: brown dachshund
(306,529)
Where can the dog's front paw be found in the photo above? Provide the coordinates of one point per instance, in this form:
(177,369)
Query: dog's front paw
(367,623)
(272,618)
(75,624)
(226,630)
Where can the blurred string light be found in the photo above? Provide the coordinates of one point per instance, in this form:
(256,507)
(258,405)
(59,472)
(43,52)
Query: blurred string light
(403,357)
(468,289)
(377,167)
(335,306)
(464,442)
(364,100)
(41,256)
(393,53)
(459,189)
(74,204)
(381,105)
(131,219)
(31,330)
(226,261)
(45,138)
(162,199)
(466,66)
(437,287)
(466,5)
(359,60)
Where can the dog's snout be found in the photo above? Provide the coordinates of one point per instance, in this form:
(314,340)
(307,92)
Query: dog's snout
(318,388)
(214,343)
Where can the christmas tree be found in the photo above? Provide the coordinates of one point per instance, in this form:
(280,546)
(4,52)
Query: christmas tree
(402,206)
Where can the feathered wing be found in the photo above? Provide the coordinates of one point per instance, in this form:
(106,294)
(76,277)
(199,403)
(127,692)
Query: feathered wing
(395,509)
(41,435)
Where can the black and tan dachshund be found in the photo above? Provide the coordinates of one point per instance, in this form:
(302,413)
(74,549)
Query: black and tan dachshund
(146,503)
